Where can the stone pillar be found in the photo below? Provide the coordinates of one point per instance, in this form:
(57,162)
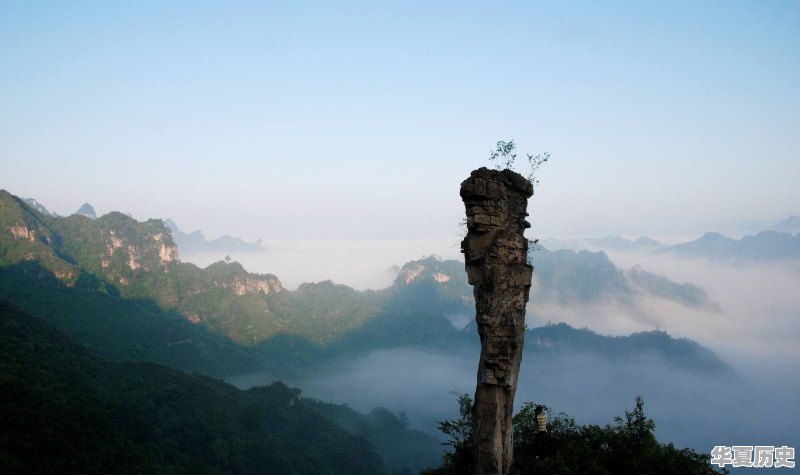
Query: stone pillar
(495,254)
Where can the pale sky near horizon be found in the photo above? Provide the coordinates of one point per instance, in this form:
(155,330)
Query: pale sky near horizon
(357,121)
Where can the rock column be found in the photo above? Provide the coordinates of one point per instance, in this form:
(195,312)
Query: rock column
(495,254)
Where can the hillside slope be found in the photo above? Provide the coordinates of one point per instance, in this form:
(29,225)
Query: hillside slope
(67,411)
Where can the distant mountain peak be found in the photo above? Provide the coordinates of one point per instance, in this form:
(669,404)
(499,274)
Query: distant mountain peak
(86,210)
(429,268)
(789,225)
(647,241)
(713,235)
(170,224)
(766,245)
(394,269)
(39,207)
(610,243)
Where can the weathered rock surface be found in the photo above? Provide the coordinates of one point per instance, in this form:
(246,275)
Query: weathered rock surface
(495,253)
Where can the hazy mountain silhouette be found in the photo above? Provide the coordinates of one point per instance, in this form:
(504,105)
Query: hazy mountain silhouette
(195,242)
(764,246)
(609,243)
(789,225)
(39,207)
(86,210)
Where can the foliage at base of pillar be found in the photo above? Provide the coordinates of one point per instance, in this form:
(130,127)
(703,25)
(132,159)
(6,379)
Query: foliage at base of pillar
(627,446)
(459,432)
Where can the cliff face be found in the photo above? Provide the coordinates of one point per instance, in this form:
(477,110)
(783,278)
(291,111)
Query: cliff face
(495,252)
(233,276)
(122,242)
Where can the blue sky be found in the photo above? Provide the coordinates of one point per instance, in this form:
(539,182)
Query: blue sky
(358,121)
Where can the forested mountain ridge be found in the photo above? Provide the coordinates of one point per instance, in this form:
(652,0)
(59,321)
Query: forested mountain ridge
(118,287)
(140,261)
(120,329)
(68,411)
(559,277)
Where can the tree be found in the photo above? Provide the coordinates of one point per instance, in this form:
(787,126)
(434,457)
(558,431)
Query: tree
(459,437)
(504,155)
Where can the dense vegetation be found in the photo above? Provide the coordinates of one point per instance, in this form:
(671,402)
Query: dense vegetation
(134,260)
(678,352)
(628,446)
(403,450)
(66,411)
(95,315)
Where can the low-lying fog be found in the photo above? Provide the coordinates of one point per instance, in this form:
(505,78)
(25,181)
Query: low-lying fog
(756,334)
(760,302)
(754,406)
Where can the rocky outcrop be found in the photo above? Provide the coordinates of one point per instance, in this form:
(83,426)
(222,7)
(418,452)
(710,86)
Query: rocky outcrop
(429,268)
(251,284)
(21,232)
(409,273)
(232,276)
(167,253)
(32,234)
(495,251)
(264,285)
(139,250)
(133,257)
